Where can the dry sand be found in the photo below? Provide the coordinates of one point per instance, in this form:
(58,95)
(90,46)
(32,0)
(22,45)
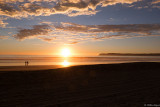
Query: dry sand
(106,85)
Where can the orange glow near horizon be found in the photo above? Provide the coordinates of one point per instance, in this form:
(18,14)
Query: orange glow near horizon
(65,52)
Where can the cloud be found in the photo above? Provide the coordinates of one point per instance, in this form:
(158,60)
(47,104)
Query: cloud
(46,22)
(72,8)
(37,30)
(130,28)
(2,24)
(47,38)
(4,37)
(87,12)
(155,1)
(155,4)
(113,2)
(156,7)
(73,33)
(8,10)
(25,8)
(71,43)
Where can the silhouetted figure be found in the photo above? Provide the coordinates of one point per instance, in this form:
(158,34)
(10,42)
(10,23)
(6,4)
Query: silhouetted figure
(27,63)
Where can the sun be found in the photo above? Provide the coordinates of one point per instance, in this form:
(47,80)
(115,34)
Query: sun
(65,52)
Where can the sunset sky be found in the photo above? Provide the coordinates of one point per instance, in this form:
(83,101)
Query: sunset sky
(86,27)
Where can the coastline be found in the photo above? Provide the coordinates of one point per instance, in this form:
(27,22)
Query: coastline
(125,84)
(47,67)
(29,68)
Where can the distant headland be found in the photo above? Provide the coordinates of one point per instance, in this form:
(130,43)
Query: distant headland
(129,54)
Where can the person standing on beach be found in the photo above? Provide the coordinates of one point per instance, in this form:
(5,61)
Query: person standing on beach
(27,63)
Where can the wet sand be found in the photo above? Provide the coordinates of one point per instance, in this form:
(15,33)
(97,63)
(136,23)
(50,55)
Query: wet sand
(104,85)
(29,68)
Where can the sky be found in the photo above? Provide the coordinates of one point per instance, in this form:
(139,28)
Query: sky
(86,27)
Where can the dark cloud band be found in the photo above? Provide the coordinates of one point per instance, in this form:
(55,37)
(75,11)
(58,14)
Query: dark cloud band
(78,33)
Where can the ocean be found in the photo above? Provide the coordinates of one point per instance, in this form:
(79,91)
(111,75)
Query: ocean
(19,60)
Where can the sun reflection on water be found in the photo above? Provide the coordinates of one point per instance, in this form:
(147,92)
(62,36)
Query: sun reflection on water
(65,63)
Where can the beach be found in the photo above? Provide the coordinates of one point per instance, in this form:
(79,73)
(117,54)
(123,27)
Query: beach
(28,68)
(103,85)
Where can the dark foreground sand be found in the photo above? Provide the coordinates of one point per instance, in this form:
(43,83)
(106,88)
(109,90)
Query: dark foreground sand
(110,85)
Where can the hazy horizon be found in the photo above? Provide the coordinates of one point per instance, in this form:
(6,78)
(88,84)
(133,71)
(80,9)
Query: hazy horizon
(19,60)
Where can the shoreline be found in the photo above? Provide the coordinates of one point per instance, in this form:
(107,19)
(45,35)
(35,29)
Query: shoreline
(47,67)
(29,68)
